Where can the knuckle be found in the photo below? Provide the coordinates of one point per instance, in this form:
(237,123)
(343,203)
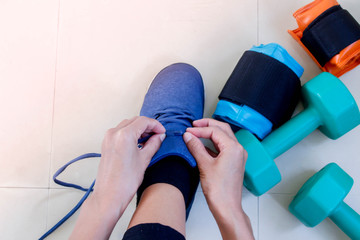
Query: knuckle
(122,132)
(117,134)
(125,121)
(109,132)
(216,128)
(227,127)
(237,147)
(224,124)
(133,119)
(142,118)
(240,147)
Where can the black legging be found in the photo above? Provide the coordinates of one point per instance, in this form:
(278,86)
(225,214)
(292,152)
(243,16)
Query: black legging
(152,231)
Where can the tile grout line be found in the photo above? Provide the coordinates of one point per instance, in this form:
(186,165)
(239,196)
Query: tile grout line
(53,111)
(11,187)
(257,18)
(258,215)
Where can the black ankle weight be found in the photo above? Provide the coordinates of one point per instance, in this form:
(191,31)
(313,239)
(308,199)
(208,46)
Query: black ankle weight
(264,84)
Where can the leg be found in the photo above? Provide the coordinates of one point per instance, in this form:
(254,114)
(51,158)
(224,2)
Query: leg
(161,203)
(165,196)
(175,98)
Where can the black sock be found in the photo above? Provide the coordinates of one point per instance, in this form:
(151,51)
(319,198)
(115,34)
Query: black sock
(175,171)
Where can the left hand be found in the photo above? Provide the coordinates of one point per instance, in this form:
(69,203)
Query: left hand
(121,171)
(123,163)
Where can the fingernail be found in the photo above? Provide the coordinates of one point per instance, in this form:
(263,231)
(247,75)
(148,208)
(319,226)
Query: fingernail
(162,137)
(187,136)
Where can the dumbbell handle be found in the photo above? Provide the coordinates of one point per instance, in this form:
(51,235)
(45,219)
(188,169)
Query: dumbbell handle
(292,132)
(347,220)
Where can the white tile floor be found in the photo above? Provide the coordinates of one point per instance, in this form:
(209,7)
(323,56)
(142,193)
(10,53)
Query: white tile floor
(69,70)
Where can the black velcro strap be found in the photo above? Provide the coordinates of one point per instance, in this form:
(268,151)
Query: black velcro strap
(331,32)
(264,84)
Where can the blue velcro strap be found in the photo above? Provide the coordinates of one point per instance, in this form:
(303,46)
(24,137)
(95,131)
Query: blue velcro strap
(332,31)
(243,117)
(276,51)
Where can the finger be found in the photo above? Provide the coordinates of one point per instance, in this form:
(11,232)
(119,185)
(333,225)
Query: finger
(201,122)
(209,122)
(220,138)
(197,149)
(152,146)
(143,125)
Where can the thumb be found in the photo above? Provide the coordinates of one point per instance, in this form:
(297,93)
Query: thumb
(152,145)
(197,149)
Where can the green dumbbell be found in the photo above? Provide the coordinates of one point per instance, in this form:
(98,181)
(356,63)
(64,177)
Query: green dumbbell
(329,106)
(322,196)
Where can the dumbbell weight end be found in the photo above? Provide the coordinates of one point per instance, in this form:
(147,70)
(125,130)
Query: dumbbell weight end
(329,106)
(259,180)
(347,220)
(261,172)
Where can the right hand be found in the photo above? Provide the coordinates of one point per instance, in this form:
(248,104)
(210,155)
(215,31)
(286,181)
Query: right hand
(222,173)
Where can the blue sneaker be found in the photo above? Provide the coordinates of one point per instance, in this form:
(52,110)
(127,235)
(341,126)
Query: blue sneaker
(175,98)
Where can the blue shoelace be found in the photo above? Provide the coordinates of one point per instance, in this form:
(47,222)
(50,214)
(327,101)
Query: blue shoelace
(71,185)
(166,116)
(175,115)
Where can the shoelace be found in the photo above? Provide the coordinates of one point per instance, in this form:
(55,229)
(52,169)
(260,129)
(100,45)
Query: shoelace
(175,115)
(166,116)
(65,184)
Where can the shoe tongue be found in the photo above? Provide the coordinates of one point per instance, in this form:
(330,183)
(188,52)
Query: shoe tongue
(175,127)
(171,133)
(175,118)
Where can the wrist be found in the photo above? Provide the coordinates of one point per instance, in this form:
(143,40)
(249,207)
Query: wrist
(231,219)
(226,209)
(105,209)
(110,199)
(223,201)
(96,220)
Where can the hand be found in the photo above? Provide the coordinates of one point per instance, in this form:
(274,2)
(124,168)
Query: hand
(121,171)
(123,163)
(221,175)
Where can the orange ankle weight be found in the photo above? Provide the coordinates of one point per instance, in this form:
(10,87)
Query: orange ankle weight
(329,34)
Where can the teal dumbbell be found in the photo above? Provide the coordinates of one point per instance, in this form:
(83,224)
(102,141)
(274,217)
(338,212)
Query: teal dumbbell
(328,105)
(322,196)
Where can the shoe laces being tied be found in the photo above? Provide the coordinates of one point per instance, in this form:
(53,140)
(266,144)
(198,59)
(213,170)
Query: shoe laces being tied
(182,117)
